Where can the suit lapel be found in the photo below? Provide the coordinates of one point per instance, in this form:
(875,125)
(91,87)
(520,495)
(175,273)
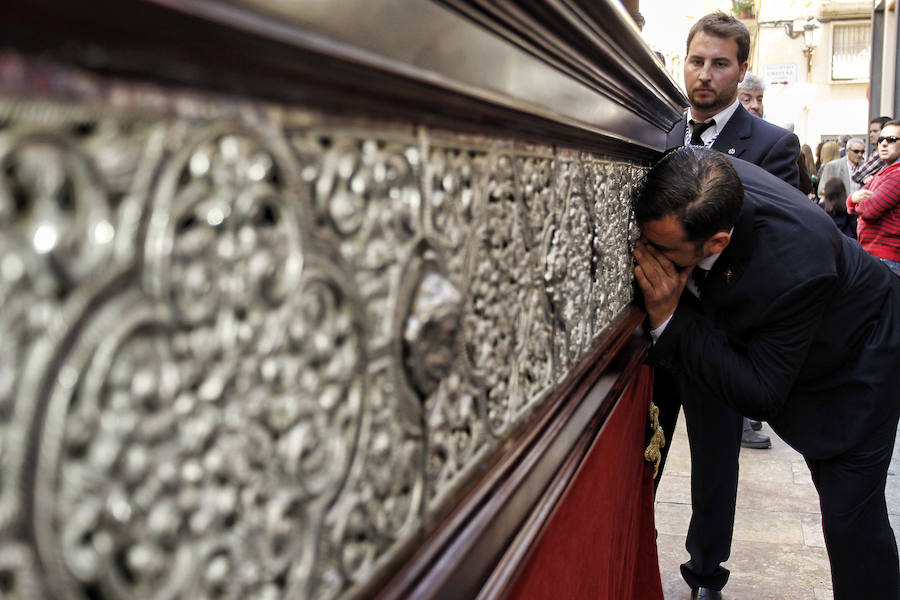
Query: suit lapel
(735,136)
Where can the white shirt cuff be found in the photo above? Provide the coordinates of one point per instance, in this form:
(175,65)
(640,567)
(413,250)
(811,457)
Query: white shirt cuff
(655,333)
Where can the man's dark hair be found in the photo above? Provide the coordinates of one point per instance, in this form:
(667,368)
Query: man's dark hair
(723,25)
(696,184)
(880,120)
(891,122)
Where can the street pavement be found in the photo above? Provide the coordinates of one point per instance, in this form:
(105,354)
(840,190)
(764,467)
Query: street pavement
(778,552)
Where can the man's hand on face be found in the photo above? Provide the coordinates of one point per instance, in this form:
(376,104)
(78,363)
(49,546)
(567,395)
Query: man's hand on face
(660,280)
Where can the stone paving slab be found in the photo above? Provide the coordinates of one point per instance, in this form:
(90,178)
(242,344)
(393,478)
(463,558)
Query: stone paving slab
(778,551)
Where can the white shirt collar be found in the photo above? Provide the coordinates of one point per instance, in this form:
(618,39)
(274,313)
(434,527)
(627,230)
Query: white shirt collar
(707,263)
(720,117)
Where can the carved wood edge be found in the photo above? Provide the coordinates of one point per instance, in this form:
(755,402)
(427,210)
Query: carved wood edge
(233,49)
(587,40)
(481,546)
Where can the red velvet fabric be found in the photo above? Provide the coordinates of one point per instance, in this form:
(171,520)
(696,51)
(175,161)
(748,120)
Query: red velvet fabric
(601,541)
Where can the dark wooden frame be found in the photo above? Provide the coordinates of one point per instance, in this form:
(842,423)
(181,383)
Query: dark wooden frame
(220,45)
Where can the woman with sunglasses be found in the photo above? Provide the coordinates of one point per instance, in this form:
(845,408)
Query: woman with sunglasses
(878,203)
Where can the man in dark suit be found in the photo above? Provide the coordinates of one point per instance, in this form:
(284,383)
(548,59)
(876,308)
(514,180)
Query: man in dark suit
(792,323)
(717,49)
(718,46)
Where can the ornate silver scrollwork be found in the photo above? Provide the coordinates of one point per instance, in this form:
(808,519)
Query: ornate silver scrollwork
(252,351)
(66,230)
(18,573)
(499,276)
(568,265)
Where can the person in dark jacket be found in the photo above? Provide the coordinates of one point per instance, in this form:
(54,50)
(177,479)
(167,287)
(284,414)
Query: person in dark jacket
(792,323)
(835,204)
(716,61)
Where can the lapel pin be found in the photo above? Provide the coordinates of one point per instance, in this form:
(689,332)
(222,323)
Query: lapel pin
(728,276)
(731,151)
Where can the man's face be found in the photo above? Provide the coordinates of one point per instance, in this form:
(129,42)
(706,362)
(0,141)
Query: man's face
(874,130)
(855,153)
(668,237)
(889,151)
(752,101)
(712,73)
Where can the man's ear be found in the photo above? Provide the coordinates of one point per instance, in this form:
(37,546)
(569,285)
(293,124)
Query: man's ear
(717,243)
(744,66)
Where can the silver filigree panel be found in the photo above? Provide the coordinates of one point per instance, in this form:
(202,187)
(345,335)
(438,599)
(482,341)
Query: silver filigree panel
(250,351)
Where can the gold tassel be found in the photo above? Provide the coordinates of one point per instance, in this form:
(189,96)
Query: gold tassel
(657,440)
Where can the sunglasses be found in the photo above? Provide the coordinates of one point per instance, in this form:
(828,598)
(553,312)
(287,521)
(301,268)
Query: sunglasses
(858,151)
(890,139)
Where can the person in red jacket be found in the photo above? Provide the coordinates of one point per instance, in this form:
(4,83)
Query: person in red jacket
(877,204)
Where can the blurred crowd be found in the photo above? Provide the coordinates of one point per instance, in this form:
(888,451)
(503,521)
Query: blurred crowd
(855,182)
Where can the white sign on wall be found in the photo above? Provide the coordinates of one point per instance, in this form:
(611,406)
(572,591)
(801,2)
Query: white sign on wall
(783,74)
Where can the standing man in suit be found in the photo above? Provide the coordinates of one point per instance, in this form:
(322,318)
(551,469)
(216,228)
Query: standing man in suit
(793,323)
(718,46)
(844,166)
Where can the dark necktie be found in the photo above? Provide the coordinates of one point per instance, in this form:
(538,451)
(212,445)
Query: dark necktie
(698,129)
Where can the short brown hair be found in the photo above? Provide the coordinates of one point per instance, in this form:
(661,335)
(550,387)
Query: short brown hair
(723,25)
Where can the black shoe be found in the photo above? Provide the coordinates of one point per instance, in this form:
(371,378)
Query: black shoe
(702,593)
(751,439)
(755,425)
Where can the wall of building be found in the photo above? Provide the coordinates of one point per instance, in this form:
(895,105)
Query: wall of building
(817,106)
(888,100)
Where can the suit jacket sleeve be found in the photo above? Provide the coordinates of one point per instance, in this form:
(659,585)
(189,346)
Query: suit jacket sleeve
(781,159)
(754,377)
(826,175)
(829,170)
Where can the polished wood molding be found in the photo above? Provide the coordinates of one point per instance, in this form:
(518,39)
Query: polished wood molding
(594,42)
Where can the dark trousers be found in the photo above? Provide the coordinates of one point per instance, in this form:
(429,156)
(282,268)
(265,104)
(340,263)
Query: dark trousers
(858,534)
(714,433)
